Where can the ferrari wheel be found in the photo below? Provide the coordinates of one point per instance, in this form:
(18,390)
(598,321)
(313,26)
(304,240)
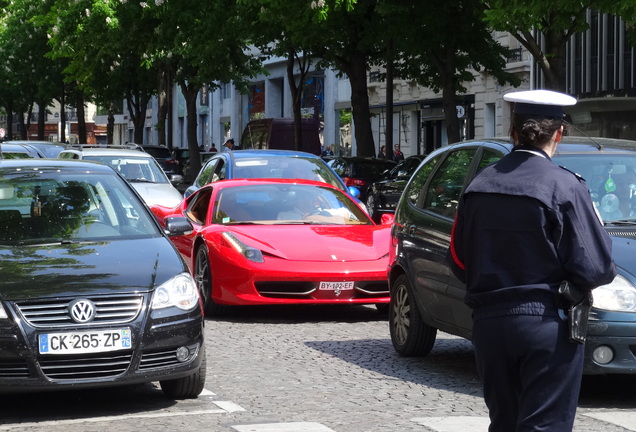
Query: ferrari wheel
(409,334)
(203,278)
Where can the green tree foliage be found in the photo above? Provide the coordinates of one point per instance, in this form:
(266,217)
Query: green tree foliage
(105,42)
(201,43)
(440,45)
(26,75)
(557,21)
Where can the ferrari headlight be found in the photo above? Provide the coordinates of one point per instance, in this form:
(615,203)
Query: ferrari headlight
(619,296)
(180,291)
(248,252)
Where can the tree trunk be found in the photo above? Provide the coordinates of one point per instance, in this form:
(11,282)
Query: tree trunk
(110,126)
(63,116)
(22,125)
(190,92)
(137,108)
(356,69)
(388,125)
(82,135)
(162,115)
(9,109)
(41,120)
(295,91)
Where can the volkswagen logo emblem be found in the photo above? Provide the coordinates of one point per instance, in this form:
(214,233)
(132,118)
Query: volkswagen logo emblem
(82,311)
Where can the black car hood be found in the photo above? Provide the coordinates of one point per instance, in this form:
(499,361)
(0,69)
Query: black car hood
(120,266)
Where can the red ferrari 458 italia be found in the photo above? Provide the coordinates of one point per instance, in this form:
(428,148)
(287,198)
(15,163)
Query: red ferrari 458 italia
(279,242)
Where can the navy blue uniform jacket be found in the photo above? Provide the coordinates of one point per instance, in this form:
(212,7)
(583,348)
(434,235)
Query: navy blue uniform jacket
(524,225)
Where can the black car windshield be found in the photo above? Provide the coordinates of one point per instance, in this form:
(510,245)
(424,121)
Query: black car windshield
(287,204)
(611,178)
(50,206)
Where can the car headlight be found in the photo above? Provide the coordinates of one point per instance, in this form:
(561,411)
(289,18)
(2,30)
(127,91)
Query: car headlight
(619,296)
(248,252)
(180,291)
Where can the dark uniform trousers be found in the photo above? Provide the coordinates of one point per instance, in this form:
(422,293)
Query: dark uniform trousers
(525,355)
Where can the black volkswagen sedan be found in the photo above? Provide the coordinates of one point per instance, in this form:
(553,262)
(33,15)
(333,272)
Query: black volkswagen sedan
(426,296)
(92,292)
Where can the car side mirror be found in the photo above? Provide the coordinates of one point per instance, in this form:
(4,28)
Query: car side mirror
(387,219)
(176,179)
(177,225)
(354,191)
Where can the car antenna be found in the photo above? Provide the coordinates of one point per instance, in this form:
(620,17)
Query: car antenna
(598,145)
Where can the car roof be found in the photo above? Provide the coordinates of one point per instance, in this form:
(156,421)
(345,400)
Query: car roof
(363,159)
(246,182)
(106,151)
(237,154)
(56,164)
(570,144)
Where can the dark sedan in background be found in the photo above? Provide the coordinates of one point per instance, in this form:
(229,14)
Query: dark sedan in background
(92,292)
(426,296)
(385,193)
(360,172)
(165,158)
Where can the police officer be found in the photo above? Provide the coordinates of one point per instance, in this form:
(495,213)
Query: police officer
(229,144)
(523,226)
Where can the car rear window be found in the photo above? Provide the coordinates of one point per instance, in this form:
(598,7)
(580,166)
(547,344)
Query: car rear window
(158,152)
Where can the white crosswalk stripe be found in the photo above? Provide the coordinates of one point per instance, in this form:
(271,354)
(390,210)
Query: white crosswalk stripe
(283,427)
(624,419)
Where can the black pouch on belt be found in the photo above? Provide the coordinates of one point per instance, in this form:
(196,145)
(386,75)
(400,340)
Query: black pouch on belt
(579,303)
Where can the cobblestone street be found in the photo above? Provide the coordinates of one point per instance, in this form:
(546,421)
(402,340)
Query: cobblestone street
(317,369)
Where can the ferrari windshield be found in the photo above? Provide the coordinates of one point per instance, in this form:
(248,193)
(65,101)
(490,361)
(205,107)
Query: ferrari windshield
(287,204)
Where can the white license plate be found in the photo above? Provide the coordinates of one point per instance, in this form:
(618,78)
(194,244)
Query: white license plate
(335,286)
(85,342)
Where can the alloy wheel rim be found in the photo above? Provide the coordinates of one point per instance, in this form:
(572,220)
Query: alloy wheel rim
(401,314)
(202,275)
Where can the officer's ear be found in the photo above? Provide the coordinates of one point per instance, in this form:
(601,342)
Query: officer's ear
(558,135)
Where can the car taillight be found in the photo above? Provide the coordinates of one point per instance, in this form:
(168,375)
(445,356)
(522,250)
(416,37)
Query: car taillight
(354,182)
(172,161)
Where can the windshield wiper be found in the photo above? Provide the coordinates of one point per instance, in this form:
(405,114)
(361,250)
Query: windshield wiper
(621,222)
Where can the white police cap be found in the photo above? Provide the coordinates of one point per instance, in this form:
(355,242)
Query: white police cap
(546,103)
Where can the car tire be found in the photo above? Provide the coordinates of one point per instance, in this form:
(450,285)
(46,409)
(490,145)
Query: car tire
(203,278)
(409,334)
(188,387)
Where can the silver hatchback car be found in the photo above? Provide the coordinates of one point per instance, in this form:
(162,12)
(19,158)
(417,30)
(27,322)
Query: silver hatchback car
(139,168)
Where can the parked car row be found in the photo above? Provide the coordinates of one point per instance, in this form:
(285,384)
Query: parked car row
(256,227)
(29,149)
